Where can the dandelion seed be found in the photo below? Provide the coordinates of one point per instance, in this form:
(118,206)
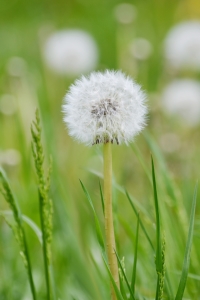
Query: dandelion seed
(71,52)
(125,13)
(182,98)
(182,46)
(104,107)
(8,105)
(141,49)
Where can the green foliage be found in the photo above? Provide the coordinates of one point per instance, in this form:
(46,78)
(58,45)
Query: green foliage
(45,203)
(17,228)
(186,262)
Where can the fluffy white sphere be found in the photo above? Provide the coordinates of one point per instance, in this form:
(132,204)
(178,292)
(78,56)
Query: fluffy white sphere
(71,52)
(182,98)
(104,107)
(182,46)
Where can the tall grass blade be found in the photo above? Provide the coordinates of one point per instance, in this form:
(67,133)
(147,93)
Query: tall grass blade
(117,291)
(141,223)
(186,261)
(102,198)
(28,221)
(18,229)
(123,292)
(98,228)
(135,256)
(158,235)
(137,153)
(124,274)
(160,253)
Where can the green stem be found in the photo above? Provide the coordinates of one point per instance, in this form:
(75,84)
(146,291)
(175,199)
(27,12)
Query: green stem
(28,264)
(109,228)
(44,247)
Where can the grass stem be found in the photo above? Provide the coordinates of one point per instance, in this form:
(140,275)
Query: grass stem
(32,286)
(44,247)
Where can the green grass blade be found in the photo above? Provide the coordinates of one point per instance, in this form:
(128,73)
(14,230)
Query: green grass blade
(139,157)
(141,223)
(122,288)
(98,228)
(9,197)
(135,256)
(102,198)
(28,221)
(157,153)
(117,291)
(158,235)
(186,261)
(124,274)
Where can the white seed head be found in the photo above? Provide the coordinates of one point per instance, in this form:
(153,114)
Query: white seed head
(71,52)
(182,46)
(104,107)
(182,98)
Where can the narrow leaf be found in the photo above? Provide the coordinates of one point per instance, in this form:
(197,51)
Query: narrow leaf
(135,256)
(117,291)
(98,228)
(124,274)
(186,261)
(102,198)
(141,223)
(158,235)
(28,221)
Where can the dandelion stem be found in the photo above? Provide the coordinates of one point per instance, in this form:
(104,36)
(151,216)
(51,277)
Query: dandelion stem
(109,228)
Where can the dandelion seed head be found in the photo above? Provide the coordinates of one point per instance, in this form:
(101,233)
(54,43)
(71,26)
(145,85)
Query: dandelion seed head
(141,49)
(182,98)
(182,46)
(71,52)
(104,107)
(125,13)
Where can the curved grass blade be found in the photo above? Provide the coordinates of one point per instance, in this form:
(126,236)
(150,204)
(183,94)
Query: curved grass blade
(137,153)
(135,256)
(158,235)
(159,252)
(117,291)
(102,199)
(124,274)
(156,151)
(186,261)
(9,197)
(141,223)
(122,288)
(98,228)
(28,221)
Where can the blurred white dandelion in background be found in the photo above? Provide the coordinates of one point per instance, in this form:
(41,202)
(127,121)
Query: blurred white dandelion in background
(16,66)
(182,46)
(10,157)
(141,49)
(71,52)
(125,13)
(170,142)
(105,107)
(182,98)
(8,105)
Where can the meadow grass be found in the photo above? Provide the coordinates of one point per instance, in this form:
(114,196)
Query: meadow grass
(153,212)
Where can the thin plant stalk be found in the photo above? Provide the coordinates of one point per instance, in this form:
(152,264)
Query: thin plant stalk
(109,228)
(46,265)
(29,268)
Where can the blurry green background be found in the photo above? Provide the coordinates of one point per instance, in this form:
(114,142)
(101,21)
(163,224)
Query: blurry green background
(27,82)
